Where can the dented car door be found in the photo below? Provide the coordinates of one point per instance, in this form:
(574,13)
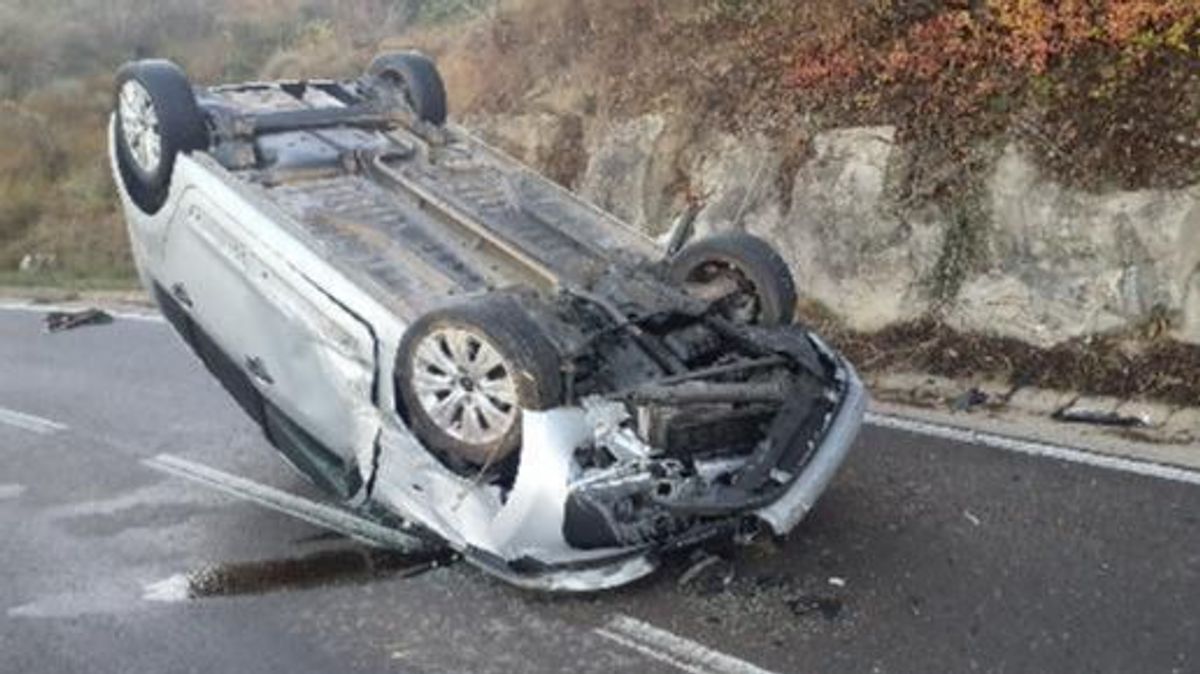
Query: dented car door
(310,359)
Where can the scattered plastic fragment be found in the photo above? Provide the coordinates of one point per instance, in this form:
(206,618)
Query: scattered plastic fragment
(697,569)
(837,582)
(828,607)
(710,574)
(57,321)
(972,518)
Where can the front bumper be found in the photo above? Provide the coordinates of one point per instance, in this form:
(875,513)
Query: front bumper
(600,516)
(783,514)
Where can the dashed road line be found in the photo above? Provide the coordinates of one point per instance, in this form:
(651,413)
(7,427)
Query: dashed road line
(11,491)
(1038,449)
(672,649)
(320,514)
(29,422)
(650,652)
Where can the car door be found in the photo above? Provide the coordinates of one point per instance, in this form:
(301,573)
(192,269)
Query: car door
(312,361)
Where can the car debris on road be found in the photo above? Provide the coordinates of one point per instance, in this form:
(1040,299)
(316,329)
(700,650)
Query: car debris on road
(58,321)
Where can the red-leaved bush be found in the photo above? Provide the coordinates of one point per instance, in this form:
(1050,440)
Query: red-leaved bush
(1022,36)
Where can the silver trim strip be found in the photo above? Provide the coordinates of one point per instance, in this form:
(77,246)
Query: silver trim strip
(786,512)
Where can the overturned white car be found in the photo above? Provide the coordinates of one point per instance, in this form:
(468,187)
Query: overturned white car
(453,344)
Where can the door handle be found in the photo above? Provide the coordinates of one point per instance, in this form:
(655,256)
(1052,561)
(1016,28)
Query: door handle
(181,294)
(258,370)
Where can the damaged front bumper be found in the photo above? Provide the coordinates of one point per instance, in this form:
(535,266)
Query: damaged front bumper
(674,503)
(531,536)
(781,515)
(790,508)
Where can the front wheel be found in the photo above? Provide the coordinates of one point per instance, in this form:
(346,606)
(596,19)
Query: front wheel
(743,276)
(156,119)
(465,373)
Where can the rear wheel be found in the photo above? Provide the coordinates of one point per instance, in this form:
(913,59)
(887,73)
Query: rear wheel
(156,119)
(743,276)
(415,79)
(464,374)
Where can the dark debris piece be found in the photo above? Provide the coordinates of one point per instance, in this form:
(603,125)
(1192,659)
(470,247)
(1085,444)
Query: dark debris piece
(1073,415)
(57,321)
(969,400)
(828,607)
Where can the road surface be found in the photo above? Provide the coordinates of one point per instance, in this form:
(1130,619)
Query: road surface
(927,555)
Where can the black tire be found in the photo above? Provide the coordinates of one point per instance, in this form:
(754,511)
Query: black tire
(180,128)
(536,375)
(757,267)
(415,78)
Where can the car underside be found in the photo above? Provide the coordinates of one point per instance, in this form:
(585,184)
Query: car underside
(448,340)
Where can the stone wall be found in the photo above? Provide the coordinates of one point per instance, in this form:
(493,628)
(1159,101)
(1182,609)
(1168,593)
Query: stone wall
(1031,259)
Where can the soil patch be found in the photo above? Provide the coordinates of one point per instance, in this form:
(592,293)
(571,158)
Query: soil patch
(1124,366)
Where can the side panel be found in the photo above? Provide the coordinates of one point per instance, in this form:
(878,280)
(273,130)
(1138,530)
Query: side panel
(308,357)
(147,233)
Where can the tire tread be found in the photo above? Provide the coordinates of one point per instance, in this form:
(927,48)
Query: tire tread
(756,258)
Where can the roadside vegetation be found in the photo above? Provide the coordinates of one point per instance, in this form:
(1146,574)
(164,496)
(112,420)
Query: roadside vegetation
(57,59)
(1107,90)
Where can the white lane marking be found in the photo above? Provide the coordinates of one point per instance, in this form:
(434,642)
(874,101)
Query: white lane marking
(11,491)
(29,422)
(673,649)
(1032,448)
(175,589)
(33,307)
(319,514)
(650,652)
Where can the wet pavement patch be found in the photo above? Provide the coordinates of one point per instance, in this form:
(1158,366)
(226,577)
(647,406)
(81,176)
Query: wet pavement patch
(137,517)
(9,491)
(326,567)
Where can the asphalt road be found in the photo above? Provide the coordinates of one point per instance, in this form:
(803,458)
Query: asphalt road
(925,556)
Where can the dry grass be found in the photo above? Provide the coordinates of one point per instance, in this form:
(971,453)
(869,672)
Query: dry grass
(57,195)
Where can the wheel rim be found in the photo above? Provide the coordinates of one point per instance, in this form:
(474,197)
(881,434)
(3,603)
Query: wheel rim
(400,87)
(465,386)
(139,126)
(743,306)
